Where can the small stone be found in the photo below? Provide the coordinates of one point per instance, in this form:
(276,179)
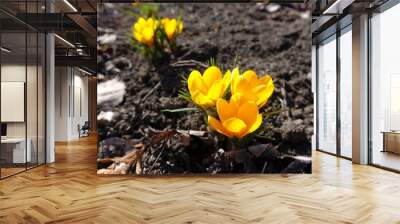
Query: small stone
(108,116)
(111,91)
(107,39)
(273,8)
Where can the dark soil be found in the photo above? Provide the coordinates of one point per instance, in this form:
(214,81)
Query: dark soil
(277,42)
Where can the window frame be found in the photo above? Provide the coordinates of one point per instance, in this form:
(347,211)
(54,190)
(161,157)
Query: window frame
(342,27)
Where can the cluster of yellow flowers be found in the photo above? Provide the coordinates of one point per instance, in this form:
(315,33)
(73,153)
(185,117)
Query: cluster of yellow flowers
(240,115)
(144,30)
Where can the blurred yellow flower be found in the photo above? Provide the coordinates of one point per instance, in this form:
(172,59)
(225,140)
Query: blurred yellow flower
(207,89)
(249,88)
(144,30)
(236,120)
(172,27)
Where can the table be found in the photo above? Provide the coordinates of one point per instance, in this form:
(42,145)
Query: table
(15,148)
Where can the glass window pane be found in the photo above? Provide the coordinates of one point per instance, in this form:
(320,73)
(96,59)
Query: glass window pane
(346,93)
(327,96)
(13,86)
(385,84)
(23,87)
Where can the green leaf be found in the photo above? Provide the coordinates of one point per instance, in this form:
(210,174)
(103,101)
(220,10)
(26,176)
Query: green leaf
(149,9)
(133,42)
(236,61)
(184,79)
(187,98)
(212,62)
(180,110)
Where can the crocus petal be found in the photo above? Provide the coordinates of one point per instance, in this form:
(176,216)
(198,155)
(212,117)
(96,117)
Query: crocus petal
(265,93)
(225,110)
(265,79)
(195,83)
(180,26)
(256,124)
(164,21)
(227,79)
(248,113)
(170,28)
(234,78)
(141,21)
(246,96)
(235,126)
(216,91)
(138,36)
(211,74)
(137,26)
(236,98)
(251,77)
(148,34)
(263,97)
(151,22)
(202,100)
(216,124)
(243,86)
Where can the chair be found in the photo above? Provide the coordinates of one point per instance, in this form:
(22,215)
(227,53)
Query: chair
(84,130)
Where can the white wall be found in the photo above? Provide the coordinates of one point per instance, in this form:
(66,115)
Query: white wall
(71,102)
(16,73)
(33,126)
(61,103)
(80,110)
(12,73)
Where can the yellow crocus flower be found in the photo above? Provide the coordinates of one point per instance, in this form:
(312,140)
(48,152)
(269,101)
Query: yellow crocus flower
(172,27)
(236,120)
(144,30)
(248,87)
(206,89)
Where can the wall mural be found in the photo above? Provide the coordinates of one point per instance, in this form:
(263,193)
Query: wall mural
(204,88)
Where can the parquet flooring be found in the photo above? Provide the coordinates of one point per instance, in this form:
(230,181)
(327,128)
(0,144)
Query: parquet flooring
(69,191)
(11,170)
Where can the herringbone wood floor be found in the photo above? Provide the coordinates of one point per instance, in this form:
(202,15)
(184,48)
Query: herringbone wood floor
(70,192)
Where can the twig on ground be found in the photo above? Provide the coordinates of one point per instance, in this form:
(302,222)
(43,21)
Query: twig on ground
(158,157)
(265,166)
(284,100)
(186,63)
(192,132)
(121,165)
(186,54)
(307,159)
(151,91)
